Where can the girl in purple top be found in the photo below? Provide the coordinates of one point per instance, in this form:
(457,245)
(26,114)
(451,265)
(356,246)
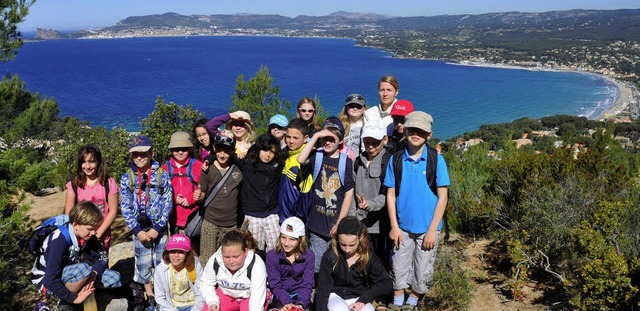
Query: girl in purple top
(204,147)
(290,267)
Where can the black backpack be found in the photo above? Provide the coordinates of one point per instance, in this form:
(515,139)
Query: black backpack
(432,166)
(216,265)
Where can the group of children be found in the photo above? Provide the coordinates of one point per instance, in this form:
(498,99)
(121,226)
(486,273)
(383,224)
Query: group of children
(345,201)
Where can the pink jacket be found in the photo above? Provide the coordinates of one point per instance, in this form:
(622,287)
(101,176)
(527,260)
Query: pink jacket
(182,186)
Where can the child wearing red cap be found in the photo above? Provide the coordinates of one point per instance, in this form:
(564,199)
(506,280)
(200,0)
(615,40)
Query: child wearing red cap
(400,110)
(175,277)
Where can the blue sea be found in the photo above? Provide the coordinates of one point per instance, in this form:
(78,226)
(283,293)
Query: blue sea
(114,82)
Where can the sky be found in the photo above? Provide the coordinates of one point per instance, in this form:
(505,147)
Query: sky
(94,14)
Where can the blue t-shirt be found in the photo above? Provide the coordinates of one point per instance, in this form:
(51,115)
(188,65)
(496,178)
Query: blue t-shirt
(416,204)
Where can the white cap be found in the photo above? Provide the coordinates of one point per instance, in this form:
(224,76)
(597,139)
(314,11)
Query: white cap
(293,227)
(374,129)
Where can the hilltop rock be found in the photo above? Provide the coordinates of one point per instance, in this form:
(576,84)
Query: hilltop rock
(48,34)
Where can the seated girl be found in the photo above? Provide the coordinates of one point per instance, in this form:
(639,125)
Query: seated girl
(175,277)
(235,278)
(290,267)
(351,277)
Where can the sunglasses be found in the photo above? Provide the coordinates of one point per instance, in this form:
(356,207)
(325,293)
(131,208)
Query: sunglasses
(373,142)
(182,149)
(306,110)
(139,154)
(275,126)
(223,140)
(354,97)
(354,106)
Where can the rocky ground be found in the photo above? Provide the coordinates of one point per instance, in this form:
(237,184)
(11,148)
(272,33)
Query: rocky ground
(492,293)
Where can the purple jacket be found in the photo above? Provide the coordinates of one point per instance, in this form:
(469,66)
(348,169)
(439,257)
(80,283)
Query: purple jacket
(286,278)
(213,125)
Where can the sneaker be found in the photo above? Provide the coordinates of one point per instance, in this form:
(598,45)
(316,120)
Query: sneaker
(41,306)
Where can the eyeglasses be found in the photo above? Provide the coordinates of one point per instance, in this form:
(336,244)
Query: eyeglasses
(354,97)
(184,149)
(372,142)
(223,140)
(202,135)
(306,110)
(354,106)
(139,154)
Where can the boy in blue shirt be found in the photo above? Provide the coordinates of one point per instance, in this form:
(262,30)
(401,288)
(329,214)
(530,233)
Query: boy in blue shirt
(415,210)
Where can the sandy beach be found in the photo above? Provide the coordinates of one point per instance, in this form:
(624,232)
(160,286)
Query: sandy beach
(621,104)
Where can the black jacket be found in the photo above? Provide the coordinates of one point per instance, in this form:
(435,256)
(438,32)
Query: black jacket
(347,283)
(260,186)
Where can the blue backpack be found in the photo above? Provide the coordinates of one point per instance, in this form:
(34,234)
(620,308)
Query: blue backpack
(189,173)
(42,232)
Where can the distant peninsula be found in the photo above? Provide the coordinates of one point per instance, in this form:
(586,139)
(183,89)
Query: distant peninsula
(605,42)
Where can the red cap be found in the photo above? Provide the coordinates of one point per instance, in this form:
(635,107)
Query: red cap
(402,108)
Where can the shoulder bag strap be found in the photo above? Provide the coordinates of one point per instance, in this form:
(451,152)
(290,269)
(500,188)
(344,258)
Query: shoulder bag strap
(215,190)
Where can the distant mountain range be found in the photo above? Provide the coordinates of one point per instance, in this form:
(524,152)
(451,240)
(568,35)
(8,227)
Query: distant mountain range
(571,24)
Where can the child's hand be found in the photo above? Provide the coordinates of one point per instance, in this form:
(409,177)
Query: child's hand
(213,308)
(152,234)
(357,306)
(182,200)
(84,292)
(143,236)
(324,133)
(198,193)
(362,203)
(429,241)
(205,166)
(236,114)
(396,236)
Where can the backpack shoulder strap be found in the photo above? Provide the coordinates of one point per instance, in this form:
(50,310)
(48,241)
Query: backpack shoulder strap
(64,230)
(317,165)
(159,179)
(342,166)
(432,166)
(190,169)
(106,190)
(383,165)
(75,191)
(132,180)
(216,266)
(250,266)
(169,169)
(397,168)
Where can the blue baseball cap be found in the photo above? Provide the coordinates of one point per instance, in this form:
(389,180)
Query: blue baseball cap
(141,144)
(279,120)
(334,122)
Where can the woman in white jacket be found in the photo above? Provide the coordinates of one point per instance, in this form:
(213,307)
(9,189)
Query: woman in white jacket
(235,277)
(175,285)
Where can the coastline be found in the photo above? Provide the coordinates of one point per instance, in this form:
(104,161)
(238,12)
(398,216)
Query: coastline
(619,105)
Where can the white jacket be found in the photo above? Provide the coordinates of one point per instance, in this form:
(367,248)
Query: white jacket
(161,279)
(237,285)
(375,113)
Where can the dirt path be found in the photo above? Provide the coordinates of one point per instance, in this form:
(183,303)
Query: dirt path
(491,286)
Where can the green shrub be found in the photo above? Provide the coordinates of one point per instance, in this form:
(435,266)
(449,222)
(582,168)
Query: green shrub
(38,176)
(453,288)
